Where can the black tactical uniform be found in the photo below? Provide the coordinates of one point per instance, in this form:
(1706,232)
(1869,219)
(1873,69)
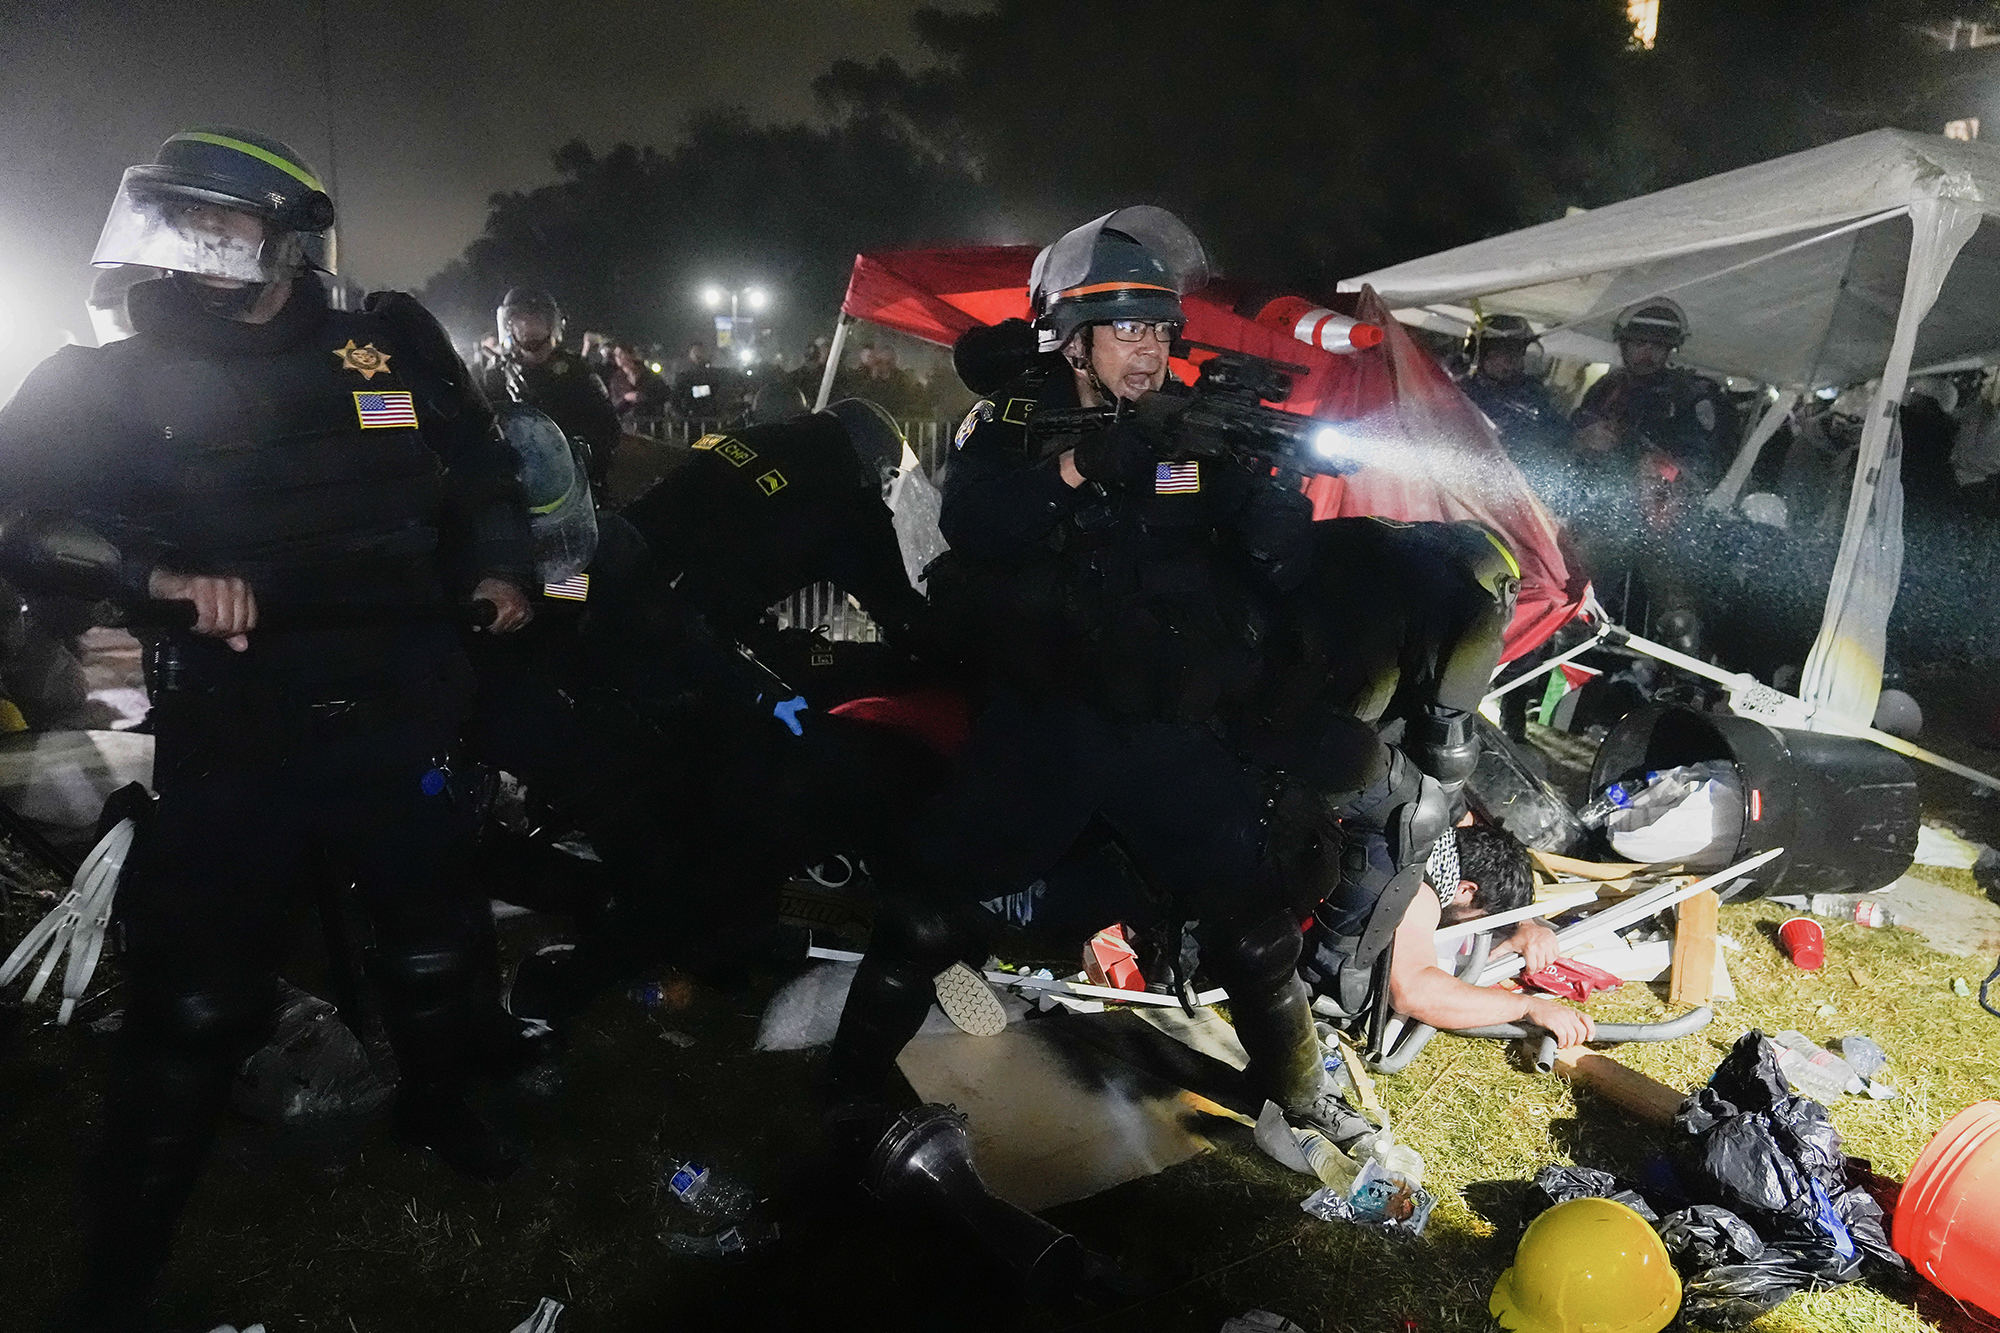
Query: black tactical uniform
(1120,620)
(745,519)
(1366,727)
(740,521)
(570,392)
(1532,427)
(320,456)
(1673,411)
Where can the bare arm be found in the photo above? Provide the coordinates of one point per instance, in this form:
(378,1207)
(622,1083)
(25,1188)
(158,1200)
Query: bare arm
(1426,992)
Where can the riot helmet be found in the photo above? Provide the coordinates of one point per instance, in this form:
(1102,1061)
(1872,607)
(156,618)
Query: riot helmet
(877,439)
(1497,331)
(1657,320)
(166,216)
(1132,264)
(777,401)
(561,517)
(528,308)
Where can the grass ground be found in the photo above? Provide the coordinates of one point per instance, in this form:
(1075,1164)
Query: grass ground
(351,1233)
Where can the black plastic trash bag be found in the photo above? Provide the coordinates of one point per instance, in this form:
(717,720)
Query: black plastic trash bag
(1774,1165)
(1560,1184)
(312,1068)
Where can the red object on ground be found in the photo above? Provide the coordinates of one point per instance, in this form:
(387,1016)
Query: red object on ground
(1432,455)
(1805,942)
(1109,961)
(1572,980)
(1948,1217)
(939,717)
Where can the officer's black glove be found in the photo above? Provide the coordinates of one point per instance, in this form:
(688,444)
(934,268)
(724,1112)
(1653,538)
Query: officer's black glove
(1122,454)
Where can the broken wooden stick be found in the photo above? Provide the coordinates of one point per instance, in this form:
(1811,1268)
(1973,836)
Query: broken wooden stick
(1647,1098)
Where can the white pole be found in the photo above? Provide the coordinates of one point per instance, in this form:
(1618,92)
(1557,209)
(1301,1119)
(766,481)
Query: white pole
(1725,492)
(832,363)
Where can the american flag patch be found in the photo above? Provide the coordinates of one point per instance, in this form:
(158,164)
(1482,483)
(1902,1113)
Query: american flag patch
(380,410)
(575,588)
(1177,478)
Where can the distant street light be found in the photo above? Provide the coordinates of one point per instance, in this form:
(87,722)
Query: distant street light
(754,297)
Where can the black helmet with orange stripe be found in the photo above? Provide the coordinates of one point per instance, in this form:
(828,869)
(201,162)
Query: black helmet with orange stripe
(1134,263)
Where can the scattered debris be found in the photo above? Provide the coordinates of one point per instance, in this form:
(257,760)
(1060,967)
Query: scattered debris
(1381,1198)
(1260,1321)
(543,1320)
(312,1068)
(707,1191)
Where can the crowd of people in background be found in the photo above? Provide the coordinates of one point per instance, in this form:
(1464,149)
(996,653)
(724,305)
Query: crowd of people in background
(1732,564)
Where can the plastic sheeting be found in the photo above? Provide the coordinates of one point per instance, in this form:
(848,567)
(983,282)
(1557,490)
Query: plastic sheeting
(1430,455)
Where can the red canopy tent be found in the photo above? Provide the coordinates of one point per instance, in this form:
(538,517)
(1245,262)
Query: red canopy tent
(1429,453)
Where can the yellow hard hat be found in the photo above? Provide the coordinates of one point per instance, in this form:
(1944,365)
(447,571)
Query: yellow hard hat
(1588,1266)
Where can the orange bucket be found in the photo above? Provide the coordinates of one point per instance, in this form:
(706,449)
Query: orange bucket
(1948,1217)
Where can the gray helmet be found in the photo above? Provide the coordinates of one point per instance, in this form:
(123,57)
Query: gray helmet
(245,172)
(1654,321)
(1498,331)
(777,401)
(561,518)
(876,438)
(1134,263)
(527,301)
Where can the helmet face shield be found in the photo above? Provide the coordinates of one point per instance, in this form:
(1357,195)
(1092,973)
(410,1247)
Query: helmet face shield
(161,224)
(1135,263)
(561,518)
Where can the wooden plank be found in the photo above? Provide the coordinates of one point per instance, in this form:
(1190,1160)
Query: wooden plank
(1694,950)
(1569,865)
(1647,1098)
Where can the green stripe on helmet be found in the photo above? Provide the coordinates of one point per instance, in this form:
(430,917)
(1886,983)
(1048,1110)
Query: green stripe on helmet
(264,155)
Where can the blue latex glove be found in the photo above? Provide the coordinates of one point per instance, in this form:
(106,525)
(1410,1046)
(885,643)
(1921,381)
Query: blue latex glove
(787,712)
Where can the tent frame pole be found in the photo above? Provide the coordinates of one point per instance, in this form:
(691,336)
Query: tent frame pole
(1726,491)
(832,361)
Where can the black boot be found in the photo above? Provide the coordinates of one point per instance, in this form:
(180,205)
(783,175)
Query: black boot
(174,1062)
(432,1013)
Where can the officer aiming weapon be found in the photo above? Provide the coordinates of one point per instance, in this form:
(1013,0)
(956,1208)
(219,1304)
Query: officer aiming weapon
(1223,417)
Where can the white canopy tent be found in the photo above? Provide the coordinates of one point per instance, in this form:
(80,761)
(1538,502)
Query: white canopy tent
(1863,260)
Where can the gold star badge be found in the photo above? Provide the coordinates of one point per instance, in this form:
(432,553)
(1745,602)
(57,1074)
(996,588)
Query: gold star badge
(365,359)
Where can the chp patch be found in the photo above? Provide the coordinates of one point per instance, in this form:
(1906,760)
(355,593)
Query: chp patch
(1183,478)
(981,411)
(386,410)
(728,447)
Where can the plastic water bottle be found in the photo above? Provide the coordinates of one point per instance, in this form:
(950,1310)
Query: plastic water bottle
(1845,907)
(1658,790)
(708,1192)
(1813,1070)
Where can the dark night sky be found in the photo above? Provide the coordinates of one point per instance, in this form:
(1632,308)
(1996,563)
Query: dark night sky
(436,105)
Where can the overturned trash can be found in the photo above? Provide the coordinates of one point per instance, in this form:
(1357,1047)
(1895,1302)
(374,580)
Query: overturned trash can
(1844,809)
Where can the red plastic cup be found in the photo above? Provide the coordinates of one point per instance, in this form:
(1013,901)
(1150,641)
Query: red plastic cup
(1804,942)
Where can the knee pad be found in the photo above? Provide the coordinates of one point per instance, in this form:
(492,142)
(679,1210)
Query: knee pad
(1444,745)
(1254,956)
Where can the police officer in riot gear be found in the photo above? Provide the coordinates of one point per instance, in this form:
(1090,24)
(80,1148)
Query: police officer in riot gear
(1530,423)
(534,368)
(250,450)
(1651,440)
(1650,406)
(1125,594)
(739,522)
(749,516)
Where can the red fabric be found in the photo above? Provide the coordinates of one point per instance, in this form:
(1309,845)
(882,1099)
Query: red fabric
(937,716)
(1572,980)
(1431,454)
